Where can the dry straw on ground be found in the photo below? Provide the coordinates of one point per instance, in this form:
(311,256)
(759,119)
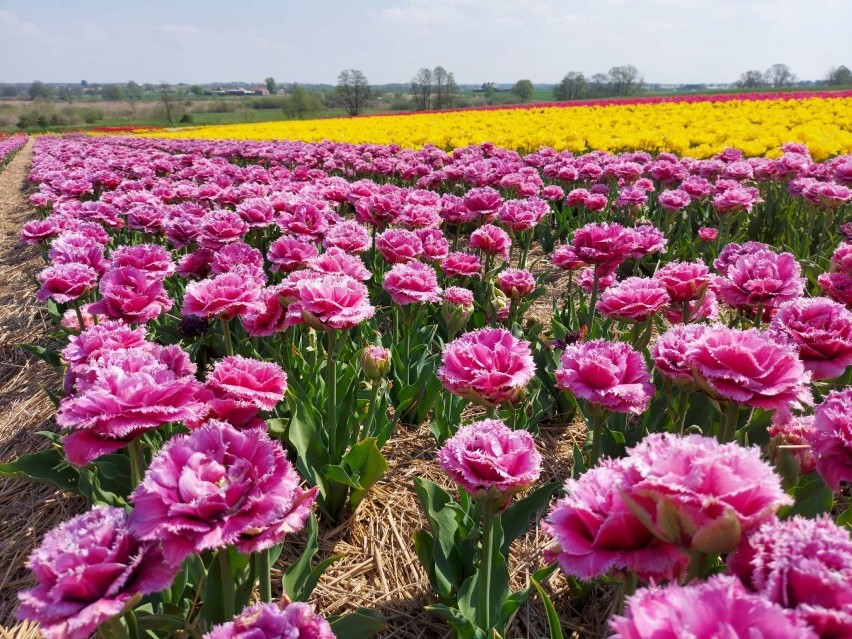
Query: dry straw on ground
(379,568)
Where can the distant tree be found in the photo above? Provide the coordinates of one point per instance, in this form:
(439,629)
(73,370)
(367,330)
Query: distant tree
(64,93)
(9,91)
(196,89)
(489,89)
(270,85)
(421,89)
(599,85)
(169,99)
(839,76)
(39,90)
(84,84)
(625,80)
(751,79)
(780,75)
(439,78)
(572,87)
(353,90)
(301,102)
(111,92)
(524,89)
(133,91)
(451,91)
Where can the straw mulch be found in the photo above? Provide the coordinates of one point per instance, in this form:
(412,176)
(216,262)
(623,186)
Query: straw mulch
(27,511)
(379,570)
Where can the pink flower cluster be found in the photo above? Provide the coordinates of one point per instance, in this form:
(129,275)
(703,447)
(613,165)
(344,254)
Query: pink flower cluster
(669,494)
(489,366)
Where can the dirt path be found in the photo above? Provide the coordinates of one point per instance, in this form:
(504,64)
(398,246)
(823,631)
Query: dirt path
(27,511)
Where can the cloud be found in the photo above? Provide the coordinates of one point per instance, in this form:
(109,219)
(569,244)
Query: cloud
(11,25)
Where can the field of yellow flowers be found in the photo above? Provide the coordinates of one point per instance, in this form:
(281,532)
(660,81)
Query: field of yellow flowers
(698,128)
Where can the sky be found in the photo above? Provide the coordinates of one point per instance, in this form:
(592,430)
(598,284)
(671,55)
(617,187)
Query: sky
(311,41)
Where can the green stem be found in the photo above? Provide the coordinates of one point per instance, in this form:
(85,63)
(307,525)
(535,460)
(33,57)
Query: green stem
(407,329)
(522,262)
(264,569)
(82,324)
(226,332)
(729,423)
(627,588)
(371,411)
(758,317)
(682,409)
(113,629)
(137,462)
(483,608)
(597,430)
(331,394)
(593,302)
(696,566)
(229,591)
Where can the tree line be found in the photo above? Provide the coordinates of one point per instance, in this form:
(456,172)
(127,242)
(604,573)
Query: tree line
(428,89)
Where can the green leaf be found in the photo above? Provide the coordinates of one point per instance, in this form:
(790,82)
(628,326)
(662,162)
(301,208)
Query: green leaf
(46,354)
(159,623)
(516,518)
(305,436)
(468,599)
(812,497)
(444,526)
(300,578)
(365,461)
(845,518)
(550,611)
(361,623)
(44,467)
(579,466)
(213,609)
(114,474)
(465,628)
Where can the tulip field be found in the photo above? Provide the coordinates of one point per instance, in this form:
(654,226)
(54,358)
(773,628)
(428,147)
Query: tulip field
(623,343)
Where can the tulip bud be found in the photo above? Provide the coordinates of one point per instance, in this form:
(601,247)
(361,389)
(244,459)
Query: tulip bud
(457,308)
(375,361)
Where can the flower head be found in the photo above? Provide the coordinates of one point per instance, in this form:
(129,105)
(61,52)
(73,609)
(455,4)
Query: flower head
(596,533)
(284,620)
(602,243)
(821,331)
(243,379)
(131,295)
(831,439)
(609,374)
(700,494)
(635,299)
(411,283)
(804,565)
(489,366)
(336,302)
(225,295)
(88,570)
(718,607)
(748,368)
(491,240)
(762,278)
(489,458)
(217,487)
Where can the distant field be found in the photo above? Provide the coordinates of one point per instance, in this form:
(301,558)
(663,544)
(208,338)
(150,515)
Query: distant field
(81,114)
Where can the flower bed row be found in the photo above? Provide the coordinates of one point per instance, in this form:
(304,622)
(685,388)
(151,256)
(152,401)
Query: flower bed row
(9,146)
(249,323)
(699,128)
